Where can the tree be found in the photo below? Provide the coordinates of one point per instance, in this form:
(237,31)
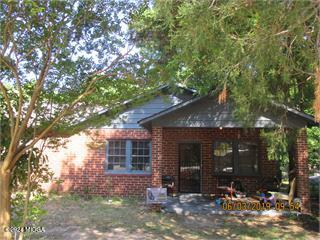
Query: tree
(61,63)
(313,148)
(262,51)
(254,53)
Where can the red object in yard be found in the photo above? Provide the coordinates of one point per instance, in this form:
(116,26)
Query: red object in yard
(168,182)
(228,189)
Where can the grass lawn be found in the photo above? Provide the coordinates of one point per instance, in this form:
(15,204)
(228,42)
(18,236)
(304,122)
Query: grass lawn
(72,217)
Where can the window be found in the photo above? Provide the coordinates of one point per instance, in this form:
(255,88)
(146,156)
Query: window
(128,156)
(248,158)
(223,154)
(232,157)
(140,155)
(117,155)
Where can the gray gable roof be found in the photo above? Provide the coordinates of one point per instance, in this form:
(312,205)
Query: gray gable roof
(130,117)
(206,112)
(163,99)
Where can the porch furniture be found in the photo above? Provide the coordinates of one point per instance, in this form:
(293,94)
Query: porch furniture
(168,182)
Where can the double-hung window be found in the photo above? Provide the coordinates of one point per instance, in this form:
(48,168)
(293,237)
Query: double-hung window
(128,156)
(236,157)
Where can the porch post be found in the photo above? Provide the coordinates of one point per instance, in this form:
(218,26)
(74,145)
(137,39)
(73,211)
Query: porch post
(157,155)
(302,170)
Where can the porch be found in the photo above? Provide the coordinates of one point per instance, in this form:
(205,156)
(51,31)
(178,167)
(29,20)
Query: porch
(173,146)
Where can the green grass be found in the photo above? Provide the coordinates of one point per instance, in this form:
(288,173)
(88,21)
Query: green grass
(73,217)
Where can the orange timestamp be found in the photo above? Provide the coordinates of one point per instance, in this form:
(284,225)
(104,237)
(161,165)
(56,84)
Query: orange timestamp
(258,206)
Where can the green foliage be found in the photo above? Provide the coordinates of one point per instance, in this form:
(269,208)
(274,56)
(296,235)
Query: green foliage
(61,63)
(58,182)
(35,210)
(277,146)
(39,168)
(262,51)
(314,148)
(69,43)
(40,173)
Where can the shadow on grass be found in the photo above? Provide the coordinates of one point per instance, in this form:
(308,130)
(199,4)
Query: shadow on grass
(72,217)
(309,223)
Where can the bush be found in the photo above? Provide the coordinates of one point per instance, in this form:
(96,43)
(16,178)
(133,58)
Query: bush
(35,209)
(40,174)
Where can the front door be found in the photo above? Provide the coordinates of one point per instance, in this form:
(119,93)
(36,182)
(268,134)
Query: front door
(190,167)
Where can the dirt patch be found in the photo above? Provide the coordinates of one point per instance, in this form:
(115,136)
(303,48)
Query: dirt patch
(71,217)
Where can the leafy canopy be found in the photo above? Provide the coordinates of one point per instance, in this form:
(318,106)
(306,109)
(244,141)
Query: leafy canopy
(254,53)
(61,63)
(262,51)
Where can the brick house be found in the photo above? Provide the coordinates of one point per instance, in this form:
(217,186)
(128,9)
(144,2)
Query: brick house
(193,139)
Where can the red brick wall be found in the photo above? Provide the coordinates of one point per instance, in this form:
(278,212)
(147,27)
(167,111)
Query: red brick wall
(81,164)
(302,171)
(81,161)
(157,156)
(173,136)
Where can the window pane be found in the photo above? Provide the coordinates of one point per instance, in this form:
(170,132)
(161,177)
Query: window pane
(134,151)
(223,157)
(116,155)
(248,158)
(140,156)
(146,151)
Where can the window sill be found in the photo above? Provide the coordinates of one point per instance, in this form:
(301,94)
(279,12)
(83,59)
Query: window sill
(127,173)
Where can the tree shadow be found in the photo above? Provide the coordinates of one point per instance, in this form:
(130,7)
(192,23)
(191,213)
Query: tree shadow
(104,218)
(80,165)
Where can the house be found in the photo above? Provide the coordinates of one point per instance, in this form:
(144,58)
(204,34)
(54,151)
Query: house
(193,139)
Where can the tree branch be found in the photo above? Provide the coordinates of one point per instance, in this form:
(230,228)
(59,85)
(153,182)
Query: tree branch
(87,92)
(14,70)
(45,131)
(36,92)
(5,30)
(9,106)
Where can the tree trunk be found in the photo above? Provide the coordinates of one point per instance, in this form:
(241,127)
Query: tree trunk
(5,216)
(292,173)
(292,192)
(26,202)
